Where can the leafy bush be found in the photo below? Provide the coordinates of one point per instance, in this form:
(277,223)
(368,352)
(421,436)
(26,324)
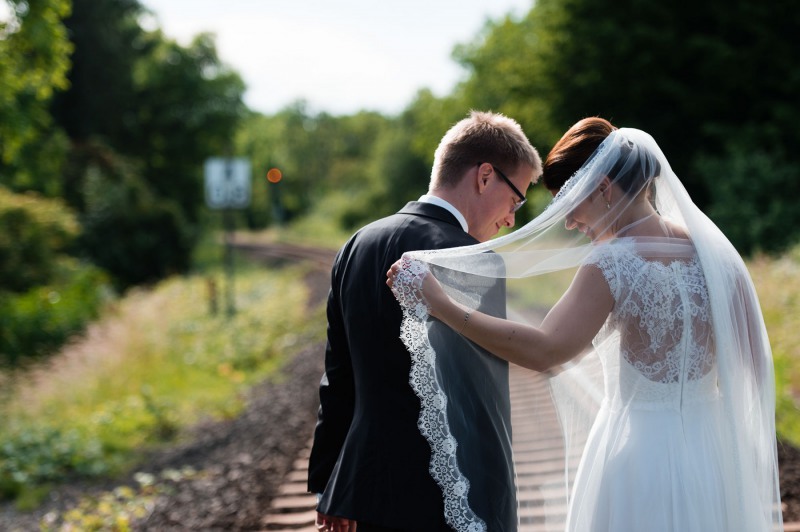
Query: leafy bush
(33,232)
(753,197)
(131,233)
(40,455)
(45,296)
(36,322)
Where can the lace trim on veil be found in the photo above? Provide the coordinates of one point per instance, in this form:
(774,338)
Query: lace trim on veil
(586,169)
(432,421)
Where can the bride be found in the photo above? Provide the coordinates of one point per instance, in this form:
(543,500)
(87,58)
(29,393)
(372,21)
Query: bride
(683,437)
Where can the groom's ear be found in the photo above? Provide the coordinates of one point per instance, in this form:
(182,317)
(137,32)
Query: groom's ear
(482,177)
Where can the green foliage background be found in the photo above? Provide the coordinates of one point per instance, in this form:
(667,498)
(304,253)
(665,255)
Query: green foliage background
(716,89)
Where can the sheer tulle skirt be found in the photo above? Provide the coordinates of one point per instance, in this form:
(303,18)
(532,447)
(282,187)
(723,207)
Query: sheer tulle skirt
(654,470)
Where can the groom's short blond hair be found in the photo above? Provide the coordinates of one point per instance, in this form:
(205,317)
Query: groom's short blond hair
(482,137)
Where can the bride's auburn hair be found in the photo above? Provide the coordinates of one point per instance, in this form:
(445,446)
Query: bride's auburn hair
(632,172)
(573,149)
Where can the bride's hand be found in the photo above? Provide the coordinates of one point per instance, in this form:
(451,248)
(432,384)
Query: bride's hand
(411,284)
(394,270)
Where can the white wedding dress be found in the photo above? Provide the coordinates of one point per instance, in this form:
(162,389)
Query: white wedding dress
(654,457)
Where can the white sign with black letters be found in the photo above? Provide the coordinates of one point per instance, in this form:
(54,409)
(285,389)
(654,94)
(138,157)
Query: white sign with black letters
(227,183)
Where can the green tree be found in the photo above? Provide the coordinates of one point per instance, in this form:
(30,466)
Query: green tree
(35,55)
(400,161)
(323,158)
(162,104)
(131,232)
(163,109)
(699,77)
(755,187)
(188,105)
(506,64)
(126,228)
(285,140)
(108,41)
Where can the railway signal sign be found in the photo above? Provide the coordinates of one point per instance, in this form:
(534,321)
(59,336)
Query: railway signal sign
(227,183)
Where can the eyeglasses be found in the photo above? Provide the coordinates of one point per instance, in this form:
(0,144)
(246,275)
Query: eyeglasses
(522,199)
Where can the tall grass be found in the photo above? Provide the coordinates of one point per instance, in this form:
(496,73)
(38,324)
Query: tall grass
(157,362)
(312,230)
(777,282)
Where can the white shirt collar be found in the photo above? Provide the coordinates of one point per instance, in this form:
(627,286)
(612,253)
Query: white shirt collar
(427,198)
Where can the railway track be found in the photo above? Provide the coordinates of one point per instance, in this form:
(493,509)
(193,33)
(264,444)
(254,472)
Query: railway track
(537,451)
(281,252)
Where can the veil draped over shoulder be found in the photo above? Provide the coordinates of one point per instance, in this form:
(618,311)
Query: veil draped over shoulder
(604,399)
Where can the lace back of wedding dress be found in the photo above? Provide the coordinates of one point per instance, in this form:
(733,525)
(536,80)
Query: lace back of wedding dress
(661,321)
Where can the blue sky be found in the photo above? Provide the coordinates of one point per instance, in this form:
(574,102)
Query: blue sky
(339,55)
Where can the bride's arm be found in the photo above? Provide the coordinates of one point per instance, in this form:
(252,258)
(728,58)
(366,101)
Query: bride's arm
(565,332)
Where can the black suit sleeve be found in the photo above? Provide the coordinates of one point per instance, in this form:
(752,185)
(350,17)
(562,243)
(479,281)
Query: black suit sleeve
(337,398)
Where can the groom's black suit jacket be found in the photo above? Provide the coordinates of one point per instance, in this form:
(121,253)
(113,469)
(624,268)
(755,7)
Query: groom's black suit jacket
(369,460)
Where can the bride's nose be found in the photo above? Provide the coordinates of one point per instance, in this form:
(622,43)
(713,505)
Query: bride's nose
(569,223)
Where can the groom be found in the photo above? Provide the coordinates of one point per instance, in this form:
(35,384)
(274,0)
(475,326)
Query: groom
(369,462)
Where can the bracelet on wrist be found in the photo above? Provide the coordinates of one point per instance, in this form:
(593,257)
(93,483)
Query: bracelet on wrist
(466,321)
